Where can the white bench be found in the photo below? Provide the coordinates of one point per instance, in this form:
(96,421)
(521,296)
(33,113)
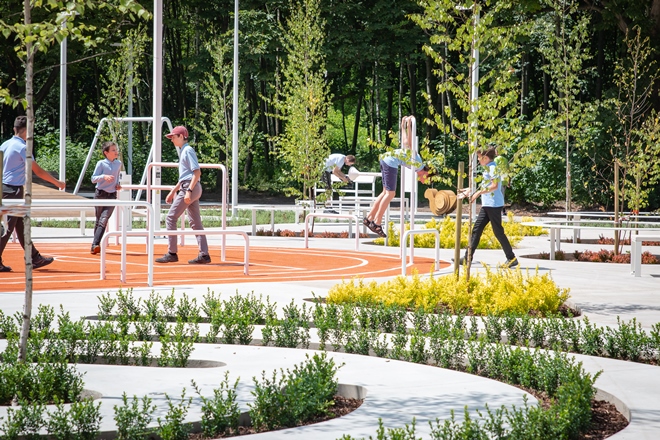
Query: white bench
(636,252)
(364,186)
(335,216)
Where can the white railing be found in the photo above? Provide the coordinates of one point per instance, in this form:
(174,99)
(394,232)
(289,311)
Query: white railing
(336,216)
(410,233)
(16,206)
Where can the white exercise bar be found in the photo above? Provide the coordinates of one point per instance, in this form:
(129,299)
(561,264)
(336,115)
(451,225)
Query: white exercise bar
(403,246)
(322,215)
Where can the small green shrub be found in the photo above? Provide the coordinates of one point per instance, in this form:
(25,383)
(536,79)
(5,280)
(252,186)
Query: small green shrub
(81,421)
(290,397)
(133,418)
(220,413)
(173,427)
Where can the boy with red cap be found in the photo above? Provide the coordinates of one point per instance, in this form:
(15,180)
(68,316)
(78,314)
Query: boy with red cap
(185,196)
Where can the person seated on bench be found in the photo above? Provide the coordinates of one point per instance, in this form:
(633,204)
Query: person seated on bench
(389,168)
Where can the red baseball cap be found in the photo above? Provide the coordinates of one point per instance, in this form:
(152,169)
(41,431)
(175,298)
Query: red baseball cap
(179,129)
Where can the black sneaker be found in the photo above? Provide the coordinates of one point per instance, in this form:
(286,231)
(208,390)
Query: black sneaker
(4,268)
(201,259)
(461,261)
(511,263)
(41,262)
(330,211)
(95,249)
(168,258)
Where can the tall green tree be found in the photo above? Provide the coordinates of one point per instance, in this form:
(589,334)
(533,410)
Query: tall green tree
(59,20)
(635,76)
(564,49)
(303,99)
(455,35)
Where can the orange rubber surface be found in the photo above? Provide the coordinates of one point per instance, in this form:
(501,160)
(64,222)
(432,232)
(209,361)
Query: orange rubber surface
(75,268)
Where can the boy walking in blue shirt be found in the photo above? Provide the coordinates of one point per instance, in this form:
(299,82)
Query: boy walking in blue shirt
(185,196)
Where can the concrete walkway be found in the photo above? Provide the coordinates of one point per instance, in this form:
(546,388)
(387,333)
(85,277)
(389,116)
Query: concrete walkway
(395,391)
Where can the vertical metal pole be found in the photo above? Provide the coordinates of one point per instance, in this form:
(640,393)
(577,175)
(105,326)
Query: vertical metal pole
(63,48)
(157,101)
(129,168)
(234,137)
(474,95)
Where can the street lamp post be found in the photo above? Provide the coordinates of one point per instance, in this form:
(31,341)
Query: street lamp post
(474,95)
(63,73)
(234,129)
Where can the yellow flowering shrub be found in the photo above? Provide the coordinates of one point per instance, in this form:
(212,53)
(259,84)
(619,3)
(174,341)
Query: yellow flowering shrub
(447,227)
(495,292)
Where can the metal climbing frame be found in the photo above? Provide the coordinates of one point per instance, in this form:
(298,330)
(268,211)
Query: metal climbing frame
(408,141)
(96,139)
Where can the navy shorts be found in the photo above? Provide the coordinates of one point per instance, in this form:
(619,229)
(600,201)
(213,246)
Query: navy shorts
(389,176)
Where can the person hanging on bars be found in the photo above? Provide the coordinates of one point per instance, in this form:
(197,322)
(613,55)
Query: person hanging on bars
(13,180)
(389,167)
(185,196)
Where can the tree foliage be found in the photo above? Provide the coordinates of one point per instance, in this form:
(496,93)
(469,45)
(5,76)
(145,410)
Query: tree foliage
(302,101)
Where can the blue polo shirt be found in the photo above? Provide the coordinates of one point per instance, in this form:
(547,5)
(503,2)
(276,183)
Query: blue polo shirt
(13,171)
(187,163)
(493,199)
(105,167)
(401,157)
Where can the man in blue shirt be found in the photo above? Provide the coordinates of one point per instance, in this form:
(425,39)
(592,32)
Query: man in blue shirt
(13,180)
(492,203)
(185,196)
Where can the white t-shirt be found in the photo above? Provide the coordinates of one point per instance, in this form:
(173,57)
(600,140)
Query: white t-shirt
(334,160)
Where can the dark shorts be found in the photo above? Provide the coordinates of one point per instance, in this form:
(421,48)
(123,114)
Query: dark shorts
(389,176)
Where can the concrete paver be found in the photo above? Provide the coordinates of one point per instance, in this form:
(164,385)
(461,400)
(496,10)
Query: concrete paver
(398,391)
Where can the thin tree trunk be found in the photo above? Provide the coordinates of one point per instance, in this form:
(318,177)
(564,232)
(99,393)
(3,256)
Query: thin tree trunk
(390,105)
(377,89)
(600,64)
(358,110)
(524,84)
(343,124)
(29,92)
(412,79)
(444,79)
(546,91)
(356,126)
(400,92)
(430,103)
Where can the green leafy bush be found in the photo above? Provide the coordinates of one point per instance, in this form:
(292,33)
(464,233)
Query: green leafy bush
(133,418)
(291,397)
(220,413)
